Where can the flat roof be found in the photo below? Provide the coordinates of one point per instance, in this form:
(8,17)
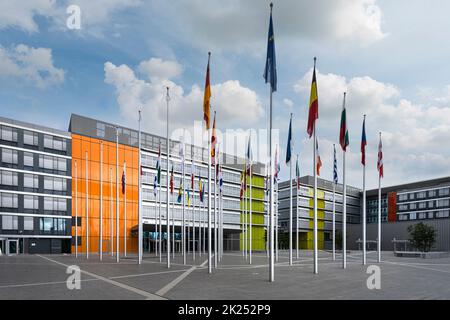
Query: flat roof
(33,127)
(412,186)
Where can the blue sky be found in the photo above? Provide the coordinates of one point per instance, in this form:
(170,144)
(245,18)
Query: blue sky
(389,55)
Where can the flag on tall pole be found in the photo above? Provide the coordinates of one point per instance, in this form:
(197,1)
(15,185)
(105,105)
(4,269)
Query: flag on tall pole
(297,173)
(344,141)
(380,175)
(319,160)
(289,163)
(157,179)
(250,173)
(206,118)
(335,181)
(140,227)
(363,162)
(171,180)
(270,76)
(313,115)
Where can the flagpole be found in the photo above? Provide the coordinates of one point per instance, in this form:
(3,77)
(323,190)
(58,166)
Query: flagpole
(215,206)
(250,235)
(379,213)
(140,222)
(316,258)
(76,210)
(167,180)
(111,213)
(125,210)
(183,230)
(334,210)
(160,220)
(101,201)
(193,204)
(344,218)
(296,213)
(245,217)
(87,205)
(290,199)
(117,194)
(209,201)
(364,207)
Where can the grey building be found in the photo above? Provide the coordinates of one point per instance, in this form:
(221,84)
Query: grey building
(35,188)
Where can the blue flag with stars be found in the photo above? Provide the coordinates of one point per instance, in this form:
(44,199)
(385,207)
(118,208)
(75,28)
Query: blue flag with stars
(270,72)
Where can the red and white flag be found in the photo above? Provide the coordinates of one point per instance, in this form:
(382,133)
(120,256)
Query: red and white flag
(380,159)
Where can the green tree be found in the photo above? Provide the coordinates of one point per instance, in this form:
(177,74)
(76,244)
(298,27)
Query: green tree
(422,236)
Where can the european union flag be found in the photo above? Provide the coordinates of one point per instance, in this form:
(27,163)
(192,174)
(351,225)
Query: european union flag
(270,72)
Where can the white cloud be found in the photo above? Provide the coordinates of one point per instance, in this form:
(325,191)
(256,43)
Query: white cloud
(35,65)
(415,136)
(156,68)
(236,105)
(23,14)
(288,103)
(235,24)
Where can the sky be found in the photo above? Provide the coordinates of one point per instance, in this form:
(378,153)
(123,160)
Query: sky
(389,56)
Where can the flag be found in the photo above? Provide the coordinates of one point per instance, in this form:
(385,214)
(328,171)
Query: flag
(319,161)
(155,184)
(289,143)
(248,156)
(343,135)
(241,193)
(313,104)
(380,159)
(213,141)
(207,97)
(277,166)
(200,188)
(270,72)
(363,143)
(335,174)
(123,182)
(297,173)
(180,191)
(171,181)
(188,197)
(220,179)
(158,166)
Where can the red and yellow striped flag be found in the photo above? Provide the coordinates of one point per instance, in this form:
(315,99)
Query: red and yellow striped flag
(207,96)
(313,104)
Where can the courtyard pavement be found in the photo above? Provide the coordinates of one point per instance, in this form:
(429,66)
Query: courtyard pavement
(44,277)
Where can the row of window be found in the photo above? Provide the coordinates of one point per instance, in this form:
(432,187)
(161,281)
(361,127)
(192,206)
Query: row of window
(424,194)
(11,201)
(31,181)
(31,138)
(424,215)
(10,158)
(58,225)
(441,203)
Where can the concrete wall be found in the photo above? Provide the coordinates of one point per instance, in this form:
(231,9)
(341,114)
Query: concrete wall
(399,231)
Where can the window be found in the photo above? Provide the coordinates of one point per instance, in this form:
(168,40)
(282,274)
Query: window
(101,129)
(30,181)
(30,138)
(9,156)
(412,216)
(54,143)
(421,195)
(55,184)
(52,224)
(28,223)
(442,214)
(403,207)
(432,193)
(422,205)
(46,224)
(55,204)
(422,215)
(52,163)
(444,192)
(9,222)
(443,203)
(8,200)
(402,197)
(30,202)
(8,178)
(28,160)
(8,133)
(412,206)
(431,204)
(403,217)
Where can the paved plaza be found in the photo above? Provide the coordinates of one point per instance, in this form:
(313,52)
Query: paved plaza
(44,277)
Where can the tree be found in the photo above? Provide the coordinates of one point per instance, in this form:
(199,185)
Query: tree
(422,236)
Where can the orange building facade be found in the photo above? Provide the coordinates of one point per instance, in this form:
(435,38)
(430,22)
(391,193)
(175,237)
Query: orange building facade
(87,198)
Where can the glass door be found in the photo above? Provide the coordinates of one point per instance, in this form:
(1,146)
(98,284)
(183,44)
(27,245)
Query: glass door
(12,247)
